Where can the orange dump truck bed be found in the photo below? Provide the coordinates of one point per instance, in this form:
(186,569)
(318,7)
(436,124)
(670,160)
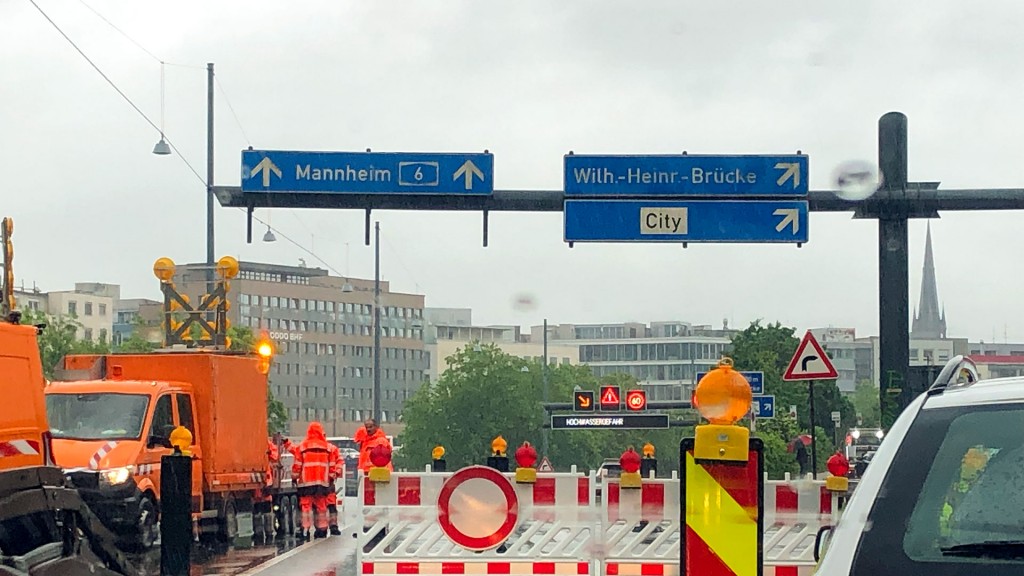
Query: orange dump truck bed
(230,396)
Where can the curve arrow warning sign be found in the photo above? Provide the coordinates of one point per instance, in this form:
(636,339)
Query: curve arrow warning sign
(810,362)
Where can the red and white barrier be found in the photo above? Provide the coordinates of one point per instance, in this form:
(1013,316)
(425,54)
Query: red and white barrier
(477,521)
(431,524)
(642,528)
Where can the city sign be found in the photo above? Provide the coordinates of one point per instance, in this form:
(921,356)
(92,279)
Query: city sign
(756,380)
(609,421)
(685,175)
(367,172)
(610,398)
(763,406)
(583,401)
(636,400)
(699,221)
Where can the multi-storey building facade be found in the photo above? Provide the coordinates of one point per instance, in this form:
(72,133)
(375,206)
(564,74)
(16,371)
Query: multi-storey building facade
(664,357)
(323,327)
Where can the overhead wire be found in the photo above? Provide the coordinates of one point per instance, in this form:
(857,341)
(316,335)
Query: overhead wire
(158,129)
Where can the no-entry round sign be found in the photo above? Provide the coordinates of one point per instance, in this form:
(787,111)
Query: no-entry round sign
(478,508)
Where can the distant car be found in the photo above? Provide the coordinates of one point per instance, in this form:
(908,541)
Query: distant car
(609,468)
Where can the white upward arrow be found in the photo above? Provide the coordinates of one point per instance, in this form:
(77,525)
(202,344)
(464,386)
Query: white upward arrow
(789,216)
(792,170)
(266,166)
(468,170)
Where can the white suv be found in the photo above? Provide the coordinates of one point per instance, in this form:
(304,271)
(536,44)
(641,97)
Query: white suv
(944,493)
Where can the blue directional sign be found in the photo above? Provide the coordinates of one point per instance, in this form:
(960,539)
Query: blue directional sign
(367,172)
(684,175)
(756,380)
(753,221)
(763,406)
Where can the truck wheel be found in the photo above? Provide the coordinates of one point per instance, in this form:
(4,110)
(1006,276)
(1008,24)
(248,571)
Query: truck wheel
(149,526)
(229,527)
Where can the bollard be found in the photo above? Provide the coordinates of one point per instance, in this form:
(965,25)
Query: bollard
(439,464)
(499,457)
(648,468)
(175,514)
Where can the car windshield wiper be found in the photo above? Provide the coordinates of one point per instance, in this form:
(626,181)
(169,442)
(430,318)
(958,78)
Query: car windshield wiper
(1005,549)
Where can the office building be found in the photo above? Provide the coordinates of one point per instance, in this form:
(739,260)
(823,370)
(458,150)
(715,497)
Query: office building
(323,327)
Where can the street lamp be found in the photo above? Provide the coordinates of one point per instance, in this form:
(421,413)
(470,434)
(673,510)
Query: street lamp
(162,148)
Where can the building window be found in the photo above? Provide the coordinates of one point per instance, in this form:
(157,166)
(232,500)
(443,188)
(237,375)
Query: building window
(88,334)
(103,334)
(103,309)
(88,308)
(73,308)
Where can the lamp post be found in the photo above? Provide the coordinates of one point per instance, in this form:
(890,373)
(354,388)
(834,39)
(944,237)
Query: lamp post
(544,377)
(376,322)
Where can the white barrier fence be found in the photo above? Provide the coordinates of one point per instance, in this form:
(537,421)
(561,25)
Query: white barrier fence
(415,525)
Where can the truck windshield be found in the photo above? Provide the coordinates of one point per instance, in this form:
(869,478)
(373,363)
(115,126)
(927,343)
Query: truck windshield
(100,416)
(953,496)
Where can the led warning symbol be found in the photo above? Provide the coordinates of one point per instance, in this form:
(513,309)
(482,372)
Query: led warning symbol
(636,399)
(583,401)
(610,397)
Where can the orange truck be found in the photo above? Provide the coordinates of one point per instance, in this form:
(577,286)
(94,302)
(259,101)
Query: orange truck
(111,419)
(45,527)
(112,415)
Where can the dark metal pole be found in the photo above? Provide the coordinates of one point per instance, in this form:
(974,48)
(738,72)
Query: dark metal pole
(376,322)
(814,442)
(209,178)
(175,514)
(544,376)
(893,276)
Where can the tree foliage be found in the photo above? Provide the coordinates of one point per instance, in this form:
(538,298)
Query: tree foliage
(486,392)
(866,404)
(59,338)
(769,348)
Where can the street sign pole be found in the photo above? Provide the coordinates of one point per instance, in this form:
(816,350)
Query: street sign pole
(810,413)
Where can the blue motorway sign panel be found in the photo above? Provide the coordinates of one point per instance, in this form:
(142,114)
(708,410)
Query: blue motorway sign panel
(763,406)
(671,175)
(756,380)
(753,221)
(367,172)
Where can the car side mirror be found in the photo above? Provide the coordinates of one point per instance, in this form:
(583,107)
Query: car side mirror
(821,541)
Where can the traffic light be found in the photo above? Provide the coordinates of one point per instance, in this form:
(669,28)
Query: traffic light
(265,351)
(636,400)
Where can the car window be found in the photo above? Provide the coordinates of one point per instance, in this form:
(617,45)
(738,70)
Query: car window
(953,495)
(163,418)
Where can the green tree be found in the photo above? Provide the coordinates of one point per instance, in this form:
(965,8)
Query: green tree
(486,392)
(866,404)
(277,414)
(769,348)
(59,338)
(242,338)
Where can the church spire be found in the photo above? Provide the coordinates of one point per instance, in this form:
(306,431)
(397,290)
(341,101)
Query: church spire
(930,320)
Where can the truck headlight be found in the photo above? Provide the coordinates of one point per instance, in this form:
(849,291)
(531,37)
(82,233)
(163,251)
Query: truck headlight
(115,476)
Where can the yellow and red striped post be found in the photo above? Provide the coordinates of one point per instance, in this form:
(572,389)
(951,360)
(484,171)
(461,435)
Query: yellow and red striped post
(722,485)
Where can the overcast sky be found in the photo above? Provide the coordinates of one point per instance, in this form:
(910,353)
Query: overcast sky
(527,81)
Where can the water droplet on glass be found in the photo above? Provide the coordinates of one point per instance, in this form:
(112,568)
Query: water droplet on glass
(524,302)
(856,180)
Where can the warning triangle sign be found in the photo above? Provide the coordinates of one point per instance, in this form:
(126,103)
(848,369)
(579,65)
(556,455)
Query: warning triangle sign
(545,465)
(810,362)
(610,396)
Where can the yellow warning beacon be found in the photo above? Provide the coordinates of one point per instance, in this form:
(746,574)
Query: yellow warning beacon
(723,397)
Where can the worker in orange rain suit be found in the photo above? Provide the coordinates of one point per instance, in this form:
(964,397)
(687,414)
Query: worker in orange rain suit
(332,497)
(313,465)
(368,436)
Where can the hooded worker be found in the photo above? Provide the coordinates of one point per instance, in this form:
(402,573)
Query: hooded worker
(369,436)
(337,471)
(313,468)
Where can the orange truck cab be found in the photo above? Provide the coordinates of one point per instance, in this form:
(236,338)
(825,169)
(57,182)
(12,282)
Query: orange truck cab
(45,528)
(111,418)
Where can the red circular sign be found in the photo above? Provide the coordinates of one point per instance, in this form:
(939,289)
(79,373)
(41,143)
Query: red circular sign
(636,399)
(478,508)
